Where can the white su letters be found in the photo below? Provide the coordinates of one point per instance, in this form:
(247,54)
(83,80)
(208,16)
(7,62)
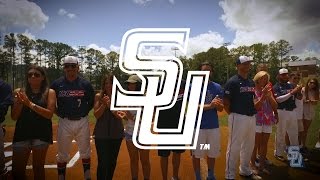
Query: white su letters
(161,78)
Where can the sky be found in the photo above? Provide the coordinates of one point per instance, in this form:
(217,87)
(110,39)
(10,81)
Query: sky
(100,24)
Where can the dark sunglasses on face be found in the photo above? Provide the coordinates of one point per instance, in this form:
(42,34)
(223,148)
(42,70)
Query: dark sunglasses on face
(312,82)
(35,74)
(70,65)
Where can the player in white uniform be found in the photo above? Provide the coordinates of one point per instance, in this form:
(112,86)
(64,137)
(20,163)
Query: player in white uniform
(285,94)
(239,103)
(295,80)
(75,98)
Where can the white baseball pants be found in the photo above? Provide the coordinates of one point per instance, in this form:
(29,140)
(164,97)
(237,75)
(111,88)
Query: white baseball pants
(288,122)
(69,130)
(242,131)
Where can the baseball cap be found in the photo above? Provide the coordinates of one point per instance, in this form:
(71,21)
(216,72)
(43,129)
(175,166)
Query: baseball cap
(70,60)
(133,79)
(283,71)
(243,59)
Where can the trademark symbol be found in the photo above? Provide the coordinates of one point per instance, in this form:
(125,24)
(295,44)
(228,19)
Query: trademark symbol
(205,146)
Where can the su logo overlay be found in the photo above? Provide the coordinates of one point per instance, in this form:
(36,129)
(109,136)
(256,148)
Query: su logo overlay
(161,78)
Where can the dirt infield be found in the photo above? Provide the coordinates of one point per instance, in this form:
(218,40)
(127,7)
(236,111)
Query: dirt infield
(280,170)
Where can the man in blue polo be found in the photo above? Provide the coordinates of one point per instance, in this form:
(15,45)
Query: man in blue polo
(209,129)
(239,104)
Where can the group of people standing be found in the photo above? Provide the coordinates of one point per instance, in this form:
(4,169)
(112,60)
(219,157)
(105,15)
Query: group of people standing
(253,105)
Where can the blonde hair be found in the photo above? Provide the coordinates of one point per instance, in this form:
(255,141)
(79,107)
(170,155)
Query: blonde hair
(259,75)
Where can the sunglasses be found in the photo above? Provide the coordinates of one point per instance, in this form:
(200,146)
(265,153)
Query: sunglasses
(70,65)
(312,82)
(35,74)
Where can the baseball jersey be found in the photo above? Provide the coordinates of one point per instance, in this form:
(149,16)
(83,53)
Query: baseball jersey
(169,118)
(74,98)
(210,117)
(240,93)
(281,89)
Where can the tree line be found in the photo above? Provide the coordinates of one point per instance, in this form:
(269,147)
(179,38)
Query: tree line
(19,51)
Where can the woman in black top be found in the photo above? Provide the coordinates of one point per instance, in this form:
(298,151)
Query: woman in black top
(32,109)
(108,131)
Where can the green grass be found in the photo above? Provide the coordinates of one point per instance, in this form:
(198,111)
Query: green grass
(223,120)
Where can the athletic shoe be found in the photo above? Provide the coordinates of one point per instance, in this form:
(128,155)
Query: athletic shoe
(280,158)
(304,150)
(318,145)
(265,171)
(255,171)
(252,176)
(256,162)
(268,162)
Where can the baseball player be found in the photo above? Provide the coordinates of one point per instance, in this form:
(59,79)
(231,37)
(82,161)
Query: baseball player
(294,80)
(75,98)
(209,129)
(5,101)
(239,104)
(285,96)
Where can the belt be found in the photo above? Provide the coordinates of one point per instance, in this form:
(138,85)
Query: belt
(286,109)
(73,118)
(246,114)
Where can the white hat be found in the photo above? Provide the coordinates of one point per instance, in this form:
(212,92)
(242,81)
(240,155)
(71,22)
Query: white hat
(283,71)
(70,60)
(133,79)
(243,59)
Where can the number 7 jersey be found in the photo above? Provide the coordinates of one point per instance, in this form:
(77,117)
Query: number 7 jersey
(74,98)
